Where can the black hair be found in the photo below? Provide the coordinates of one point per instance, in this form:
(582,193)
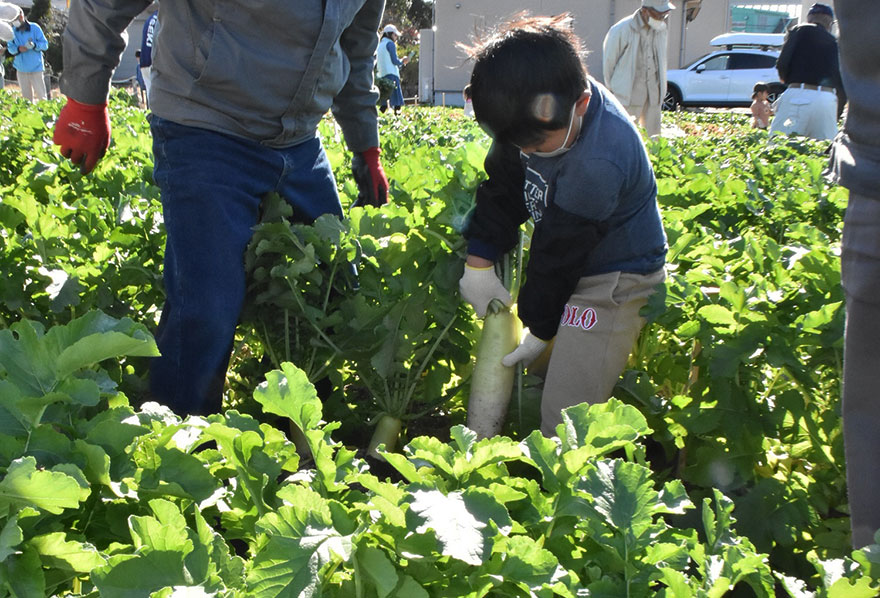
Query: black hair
(526,78)
(758,88)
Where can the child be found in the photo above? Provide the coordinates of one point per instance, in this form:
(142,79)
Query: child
(566,154)
(761,109)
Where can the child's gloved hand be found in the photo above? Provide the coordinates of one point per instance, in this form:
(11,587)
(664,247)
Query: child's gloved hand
(530,347)
(478,286)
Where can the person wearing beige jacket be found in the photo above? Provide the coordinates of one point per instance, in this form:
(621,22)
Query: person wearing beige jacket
(634,62)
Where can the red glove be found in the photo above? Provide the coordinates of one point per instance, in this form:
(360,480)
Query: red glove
(83,132)
(370,178)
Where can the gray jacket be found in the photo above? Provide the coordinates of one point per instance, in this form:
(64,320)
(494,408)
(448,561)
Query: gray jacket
(857,152)
(266,70)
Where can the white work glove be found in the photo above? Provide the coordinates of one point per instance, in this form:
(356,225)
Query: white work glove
(30,45)
(479,286)
(530,347)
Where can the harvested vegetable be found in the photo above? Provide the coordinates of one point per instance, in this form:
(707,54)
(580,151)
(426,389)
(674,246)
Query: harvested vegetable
(492,382)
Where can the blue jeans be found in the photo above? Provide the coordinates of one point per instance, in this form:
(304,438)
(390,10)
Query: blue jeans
(396,99)
(212,185)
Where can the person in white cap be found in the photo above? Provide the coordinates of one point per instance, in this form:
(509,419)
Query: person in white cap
(634,62)
(8,13)
(388,64)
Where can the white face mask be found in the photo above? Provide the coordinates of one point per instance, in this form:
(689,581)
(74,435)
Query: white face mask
(657,25)
(562,148)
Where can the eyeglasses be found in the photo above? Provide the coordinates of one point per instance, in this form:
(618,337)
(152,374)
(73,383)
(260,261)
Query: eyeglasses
(656,14)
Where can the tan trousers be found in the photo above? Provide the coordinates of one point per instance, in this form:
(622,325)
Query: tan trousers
(599,328)
(644,107)
(33,85)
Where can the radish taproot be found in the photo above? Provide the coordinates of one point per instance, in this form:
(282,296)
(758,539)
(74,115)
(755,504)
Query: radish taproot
(394,389)
(386,435)
(492,382)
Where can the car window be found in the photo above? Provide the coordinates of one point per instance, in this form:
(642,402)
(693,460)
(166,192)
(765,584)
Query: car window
(752,61)
(717,63)
(694,62)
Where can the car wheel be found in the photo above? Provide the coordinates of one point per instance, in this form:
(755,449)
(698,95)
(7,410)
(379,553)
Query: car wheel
(776,90)
(672,100)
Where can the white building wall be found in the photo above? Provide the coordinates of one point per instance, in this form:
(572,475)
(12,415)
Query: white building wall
(459,20)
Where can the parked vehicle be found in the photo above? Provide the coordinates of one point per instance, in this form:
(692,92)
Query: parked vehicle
(726,76)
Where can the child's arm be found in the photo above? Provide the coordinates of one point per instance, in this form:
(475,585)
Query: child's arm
(560,246)
(493,225)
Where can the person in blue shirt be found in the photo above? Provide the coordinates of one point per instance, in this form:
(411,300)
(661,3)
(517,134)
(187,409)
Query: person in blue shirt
(566,155)
(388,65)
(145,58)
(28,45)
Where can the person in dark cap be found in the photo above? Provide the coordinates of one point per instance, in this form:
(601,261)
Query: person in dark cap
(808,65)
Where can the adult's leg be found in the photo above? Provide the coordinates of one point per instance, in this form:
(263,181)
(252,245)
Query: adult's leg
(823,118)
(651,118)
(598,330)
(307,181)
(396,94)
(790,110)
(25,84)
(860,269)
(212,185)
(38,83)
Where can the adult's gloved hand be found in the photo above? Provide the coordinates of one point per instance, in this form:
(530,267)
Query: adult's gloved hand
(83,132)
(478,286)
(370,178)
(530,347)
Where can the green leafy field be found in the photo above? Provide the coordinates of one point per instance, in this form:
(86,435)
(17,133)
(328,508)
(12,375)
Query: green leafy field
(716,470)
